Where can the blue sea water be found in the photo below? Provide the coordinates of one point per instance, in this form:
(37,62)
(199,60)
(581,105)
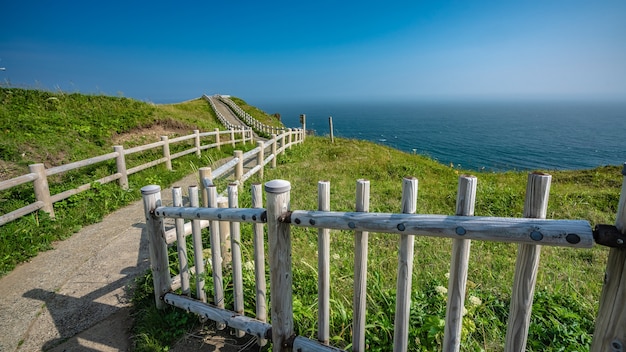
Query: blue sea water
(479,135)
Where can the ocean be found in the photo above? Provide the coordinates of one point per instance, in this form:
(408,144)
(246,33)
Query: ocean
(496,136)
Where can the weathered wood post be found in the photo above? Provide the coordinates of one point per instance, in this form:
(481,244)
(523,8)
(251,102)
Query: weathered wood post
(260,157)
(527,265)
(120,163)
(359,300)
(204,172)
(259,259)
(224,232)
(303,123)
(274,147)
(323,267)
(282,142)
(181,243)
(166,152)
(290,140)
(216,255)
(330,126)
(235,245)
(281,277)
(239,166)
(610,329)
(42,190)
(465,201)
(232,136)
(197,140)
(157,248)
(217,139)
(405,269)
(196,232)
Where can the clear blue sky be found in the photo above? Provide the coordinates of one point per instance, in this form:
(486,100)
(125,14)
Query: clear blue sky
(289,50)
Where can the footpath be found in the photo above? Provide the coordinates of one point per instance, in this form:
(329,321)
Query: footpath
(76,297)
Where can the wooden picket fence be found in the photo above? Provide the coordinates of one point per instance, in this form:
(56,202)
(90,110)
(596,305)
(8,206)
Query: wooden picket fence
(530,233)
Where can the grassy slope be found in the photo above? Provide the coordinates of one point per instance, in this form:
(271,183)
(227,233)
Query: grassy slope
(56,128)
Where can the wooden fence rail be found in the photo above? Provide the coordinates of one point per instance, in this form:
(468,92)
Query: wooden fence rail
(39,174)
(529,233)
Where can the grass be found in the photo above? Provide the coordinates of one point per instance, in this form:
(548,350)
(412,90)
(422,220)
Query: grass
(568,284)
(57,128)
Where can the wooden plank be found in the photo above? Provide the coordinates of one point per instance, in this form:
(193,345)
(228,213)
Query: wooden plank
(237,214)
(78,164)
(16,181)
(465,201)
(235,245)
(405,270)
(198,254)
(259,260)
(323,267)
(526,266)
(181,243)
(157,248)
(359,299)
(610,329)
(219,315)
(18,213)
(281,276)
(565,233)
(216,255)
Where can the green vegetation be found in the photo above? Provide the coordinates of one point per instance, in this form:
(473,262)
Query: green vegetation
(57,128)
(568,285)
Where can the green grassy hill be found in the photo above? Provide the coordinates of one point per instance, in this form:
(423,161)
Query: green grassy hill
(57,128)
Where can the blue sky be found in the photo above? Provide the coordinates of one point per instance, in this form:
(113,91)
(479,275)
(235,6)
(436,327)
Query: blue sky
(288,50)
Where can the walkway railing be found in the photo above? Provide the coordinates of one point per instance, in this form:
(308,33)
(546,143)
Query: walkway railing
(530,233)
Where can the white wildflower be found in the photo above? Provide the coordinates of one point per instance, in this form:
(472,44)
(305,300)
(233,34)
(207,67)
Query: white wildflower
(475,301)
(248,266)
(441,290)
(447,276)
(336,256)
(464,311)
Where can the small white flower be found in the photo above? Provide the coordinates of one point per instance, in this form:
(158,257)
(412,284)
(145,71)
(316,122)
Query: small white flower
(448,276)
(248,266)
(475,301)
(441,290)
(336,256)
(464,311)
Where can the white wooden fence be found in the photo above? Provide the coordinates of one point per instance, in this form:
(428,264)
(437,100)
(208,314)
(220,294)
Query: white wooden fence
(530,233)
(201,141)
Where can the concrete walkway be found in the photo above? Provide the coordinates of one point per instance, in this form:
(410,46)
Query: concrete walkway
(76,297)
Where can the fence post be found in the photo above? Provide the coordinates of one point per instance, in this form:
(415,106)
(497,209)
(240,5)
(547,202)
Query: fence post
(232,136)
(526,265)
(290,140)
(259,260)
(405,269)
(330,126)
(166,152)
(196,232)
(361,249)
(204,172)
(157,247)
(42,190)
(282,142)
(610,331)
(235,245)
(323,267)
(303,122)
(120,163)
(239,166)
(281,277)
(216,255)
(260,157)
(198,151)
(217,138)
(181,243)
(274,142)
(465,201)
